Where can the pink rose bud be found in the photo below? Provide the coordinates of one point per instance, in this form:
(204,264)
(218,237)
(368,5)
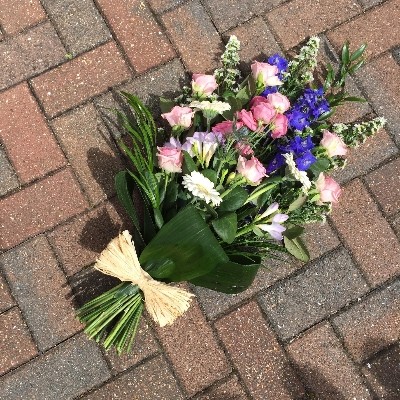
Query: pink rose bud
(225,127)
(179,116)
(251,169)
(333,144)
(279,102)
(328,188)
(170,159)
(266,73)
(263,113)
(280,126)
(247,118)
(256,100)
(244,149)
(203,84)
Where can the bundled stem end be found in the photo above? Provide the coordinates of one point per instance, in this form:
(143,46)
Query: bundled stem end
(163,302)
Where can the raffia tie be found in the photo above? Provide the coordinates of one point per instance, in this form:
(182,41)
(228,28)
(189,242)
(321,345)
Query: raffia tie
(163,302)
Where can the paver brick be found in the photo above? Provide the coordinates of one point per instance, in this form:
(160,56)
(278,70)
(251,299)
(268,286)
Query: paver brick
(381,80)
(18,15)
(322,289)
(142,38)
(256,42)
(364,158)
(159,6)
(384,183)
(23,130)
(29,54)
(383,374)
(151,380)
(257,355)
(165,81)
(380,33)
(215,303)
(41,291)
(83,77)
(325,367)
(39,207)
(193,32)
(229,390)
(379,259)
(196,357)
(372,324)
(319,239)
(6,300)
(79,23)
(16,344)
(89,150)
(296,20)
(63,373)
(8,177)
(80,241)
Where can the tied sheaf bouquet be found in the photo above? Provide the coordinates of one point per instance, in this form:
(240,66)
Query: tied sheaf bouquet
(242,165)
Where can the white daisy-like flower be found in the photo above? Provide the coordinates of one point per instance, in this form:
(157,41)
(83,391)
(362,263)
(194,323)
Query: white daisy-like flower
(201,187)
(210,109)
(299,175)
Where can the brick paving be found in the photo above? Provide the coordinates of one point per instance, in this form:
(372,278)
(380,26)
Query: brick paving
(325,330)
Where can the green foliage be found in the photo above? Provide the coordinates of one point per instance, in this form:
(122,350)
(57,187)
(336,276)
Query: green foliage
(297,248)
(226,227)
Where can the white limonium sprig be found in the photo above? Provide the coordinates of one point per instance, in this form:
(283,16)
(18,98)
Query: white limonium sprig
(302,66)
(202,187)
(210,109)
(301,176)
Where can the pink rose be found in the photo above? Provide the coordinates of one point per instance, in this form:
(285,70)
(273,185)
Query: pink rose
(170,159)
(279,102)
(247,118)
(225,127)
(263,113)
(328,188)
(203,84)
(266,73)
(256,100)
(280,126)
(244,149)
(179,116)
(251,169)
(333,144)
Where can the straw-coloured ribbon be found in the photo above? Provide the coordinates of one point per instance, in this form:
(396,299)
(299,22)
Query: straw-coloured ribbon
(163,302)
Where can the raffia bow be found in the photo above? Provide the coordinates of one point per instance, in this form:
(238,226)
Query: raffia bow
(163,302)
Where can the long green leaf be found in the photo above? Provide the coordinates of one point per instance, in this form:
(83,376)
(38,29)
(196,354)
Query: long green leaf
(226,227)
(297,248)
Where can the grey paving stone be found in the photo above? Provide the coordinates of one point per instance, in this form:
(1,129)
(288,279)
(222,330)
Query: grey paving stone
(215,303)
(322,289)
(8,178)
(165,81)
(78,22)
(41,291)
(152,380)
(69,370)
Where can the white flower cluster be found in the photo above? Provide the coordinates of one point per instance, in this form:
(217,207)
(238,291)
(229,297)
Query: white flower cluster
(303,65)
(301,176)
(210,109)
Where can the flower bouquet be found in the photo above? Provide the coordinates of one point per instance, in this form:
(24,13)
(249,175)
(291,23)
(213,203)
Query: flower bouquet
(240,167)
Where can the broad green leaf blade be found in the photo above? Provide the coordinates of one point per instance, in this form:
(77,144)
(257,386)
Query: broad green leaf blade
(189,243)
(358,53)
(211,175)
(166,105)
(345,53)
(298,202)
(226,227)
(293,232)
(160,269)
(230,277)
(319,166)
(234,199)
(188,163)
(297,248)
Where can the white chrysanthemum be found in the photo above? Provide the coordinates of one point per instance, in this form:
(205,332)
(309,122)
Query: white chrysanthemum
(202,187)
(299,175)
(210,109)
